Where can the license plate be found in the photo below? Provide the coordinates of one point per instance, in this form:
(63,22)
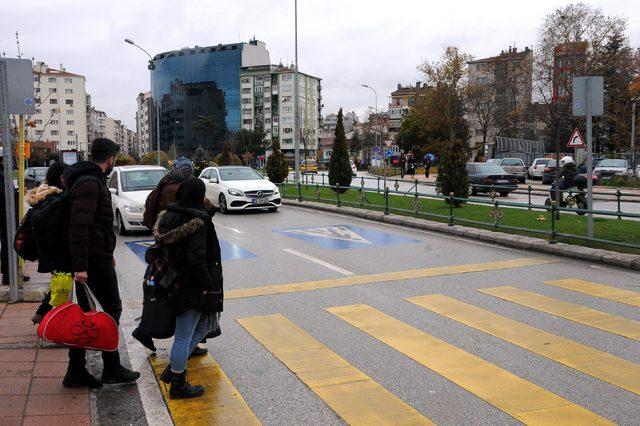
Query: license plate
(256,201)
(502,181)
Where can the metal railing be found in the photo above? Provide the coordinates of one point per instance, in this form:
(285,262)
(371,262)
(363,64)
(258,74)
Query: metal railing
(300,191)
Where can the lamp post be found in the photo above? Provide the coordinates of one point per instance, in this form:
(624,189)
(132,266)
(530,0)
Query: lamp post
(633,133)
(152,67)
(379,130)
(175,130)
(296,112)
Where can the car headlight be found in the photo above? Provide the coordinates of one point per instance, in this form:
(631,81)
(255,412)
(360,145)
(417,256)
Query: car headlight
(131,208)
(277,191)
(235,192)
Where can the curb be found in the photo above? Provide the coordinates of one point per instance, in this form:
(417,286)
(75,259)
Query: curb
(33,292)
(605,257)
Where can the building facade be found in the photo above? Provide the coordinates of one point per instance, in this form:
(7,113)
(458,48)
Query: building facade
(267,100)
(61,110)
(145,124)
(116,130)
(508,79)
(402,100)
(198,93)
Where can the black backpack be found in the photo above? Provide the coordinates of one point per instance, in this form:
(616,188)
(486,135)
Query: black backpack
(23,243)
(50,228)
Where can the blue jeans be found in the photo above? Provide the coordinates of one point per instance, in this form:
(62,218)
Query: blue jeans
(191,327)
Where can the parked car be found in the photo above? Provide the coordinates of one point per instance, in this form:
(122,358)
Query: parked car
(493,160)
(514,166)
(638,171)
(240,188)
(484,176)
(582,168)
(549,173)
(130,186)
(309,166)
(354,169)
(34,176)
(536,169)
(608,168)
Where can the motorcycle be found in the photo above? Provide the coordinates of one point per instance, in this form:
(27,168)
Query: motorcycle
(575,196)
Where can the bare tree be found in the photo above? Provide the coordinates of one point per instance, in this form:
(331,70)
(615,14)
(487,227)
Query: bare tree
(482,106)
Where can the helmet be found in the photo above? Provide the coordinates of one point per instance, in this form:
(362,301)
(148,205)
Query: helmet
(566,160)
(183,166)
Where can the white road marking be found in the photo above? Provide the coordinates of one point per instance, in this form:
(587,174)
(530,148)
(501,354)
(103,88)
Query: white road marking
(319,262)
(237,231)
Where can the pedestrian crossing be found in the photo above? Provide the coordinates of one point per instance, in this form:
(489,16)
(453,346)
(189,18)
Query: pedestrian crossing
(358,399)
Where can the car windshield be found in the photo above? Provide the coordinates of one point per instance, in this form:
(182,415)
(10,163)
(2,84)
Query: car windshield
(490,169)
(542,162)
(239,173)
(141,180)
(613,163)
(40,174)
(512,162)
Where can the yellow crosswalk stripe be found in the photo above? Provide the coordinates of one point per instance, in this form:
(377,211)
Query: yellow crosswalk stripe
(515,396)
(220,404)
(353,395)
(599,290)
(383,277)
(570,311)
(601,365)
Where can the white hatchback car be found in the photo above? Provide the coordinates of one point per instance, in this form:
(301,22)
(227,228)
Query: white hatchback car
(536,169)
(130,186)
(240,188)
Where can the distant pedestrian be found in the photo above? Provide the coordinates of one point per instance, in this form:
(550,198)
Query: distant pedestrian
(92,242)
(427,166)
(196,297)
(402,162)
(411,166)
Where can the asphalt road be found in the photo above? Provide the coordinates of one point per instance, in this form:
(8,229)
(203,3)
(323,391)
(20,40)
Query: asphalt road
(263,249)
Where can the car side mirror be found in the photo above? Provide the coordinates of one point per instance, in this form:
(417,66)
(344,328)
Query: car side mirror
(113,191)
(214,180)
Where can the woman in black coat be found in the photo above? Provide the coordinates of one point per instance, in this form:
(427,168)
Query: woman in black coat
(196,294)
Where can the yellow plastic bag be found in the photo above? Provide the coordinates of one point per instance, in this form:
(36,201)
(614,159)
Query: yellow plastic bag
(61,285)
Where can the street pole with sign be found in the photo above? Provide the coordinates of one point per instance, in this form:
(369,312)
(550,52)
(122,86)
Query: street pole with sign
(588,101)
(16,97)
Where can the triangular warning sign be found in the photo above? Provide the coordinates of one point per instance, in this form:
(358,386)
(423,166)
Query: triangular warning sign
(576,140)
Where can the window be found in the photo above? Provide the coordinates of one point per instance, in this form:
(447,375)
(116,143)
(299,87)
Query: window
(69,112)
(71,142)
(54,133)
(38,121)
(37,90)
(286,99)
(36,78)
(247,121)
(275,130)
(37,100)
(70,122)
(246,100)
(52,90)
(287,141)
(38,132)
(113,182)
(53,101)
(69,102)
(287,119)
(206,174)
(245,79)
(275,120)
(214,174)
(38,111)
(68,80)
(286,77)
(478,132)
(287,109)
(267,121)
(287,130)
(246,90)
(70,132)
(68,91)
(482,80)
(53,122)
(53,111)
(52,79)
(287,87)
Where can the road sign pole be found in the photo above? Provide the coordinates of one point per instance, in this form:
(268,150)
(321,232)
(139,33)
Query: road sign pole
(589,159)
(8,180)
(21,186)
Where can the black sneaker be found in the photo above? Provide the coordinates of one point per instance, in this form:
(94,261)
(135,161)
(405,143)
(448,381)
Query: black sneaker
(79,379)
(120,375)
(146,341)
(198,351)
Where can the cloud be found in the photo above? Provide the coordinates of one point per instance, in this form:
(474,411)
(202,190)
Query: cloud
(376,42)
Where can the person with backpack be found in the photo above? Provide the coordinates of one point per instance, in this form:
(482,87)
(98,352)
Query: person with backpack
(91,243)
(52,187)
(196,293)
(157,201)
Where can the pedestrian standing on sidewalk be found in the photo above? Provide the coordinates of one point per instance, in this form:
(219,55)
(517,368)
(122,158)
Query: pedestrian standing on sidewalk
(402,161)
(411,166)
(52,187)
(91,246)
(427,166)
(195,297)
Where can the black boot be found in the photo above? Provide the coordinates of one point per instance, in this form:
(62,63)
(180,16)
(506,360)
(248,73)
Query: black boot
(146,341)
(198,351)
(166,374)
(78,378)
(181,389)
(119,375)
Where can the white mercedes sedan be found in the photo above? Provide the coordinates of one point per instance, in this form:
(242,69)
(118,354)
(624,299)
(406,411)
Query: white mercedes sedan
(240,188)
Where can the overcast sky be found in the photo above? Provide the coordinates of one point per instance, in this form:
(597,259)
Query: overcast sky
(346,43)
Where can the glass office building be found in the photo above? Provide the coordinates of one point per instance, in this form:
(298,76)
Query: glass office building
(197,93)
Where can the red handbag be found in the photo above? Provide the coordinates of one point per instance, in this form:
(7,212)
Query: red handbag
(69,325)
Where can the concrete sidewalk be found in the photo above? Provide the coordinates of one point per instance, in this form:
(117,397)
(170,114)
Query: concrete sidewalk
(31,391)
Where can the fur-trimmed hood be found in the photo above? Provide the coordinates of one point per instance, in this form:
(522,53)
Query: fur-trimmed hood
(175,235)
(42,192)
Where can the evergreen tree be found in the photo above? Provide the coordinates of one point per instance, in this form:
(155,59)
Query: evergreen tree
(452,172)
(339,165)
(277,168)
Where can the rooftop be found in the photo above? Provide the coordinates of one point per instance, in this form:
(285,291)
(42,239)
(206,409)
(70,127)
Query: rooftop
(410,90)
(510,54)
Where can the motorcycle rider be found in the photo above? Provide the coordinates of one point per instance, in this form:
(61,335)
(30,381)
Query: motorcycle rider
(567,176)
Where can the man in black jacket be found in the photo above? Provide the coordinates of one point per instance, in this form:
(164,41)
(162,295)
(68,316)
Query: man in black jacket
(91,245)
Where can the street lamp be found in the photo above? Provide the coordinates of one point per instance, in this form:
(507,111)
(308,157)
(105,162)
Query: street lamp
(379,130)
(296,112)
(175,130)
(151,67)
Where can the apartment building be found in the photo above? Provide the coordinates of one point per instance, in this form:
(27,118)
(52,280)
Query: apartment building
(61,110)
(145,123)
(402,100)
(267,99)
